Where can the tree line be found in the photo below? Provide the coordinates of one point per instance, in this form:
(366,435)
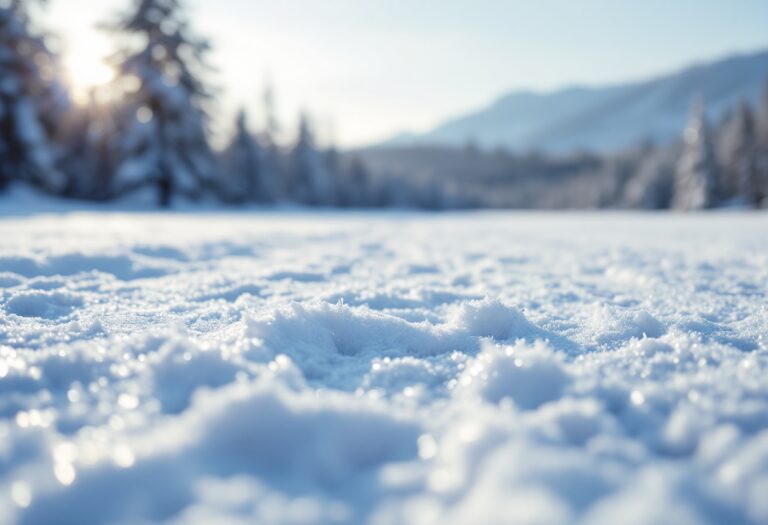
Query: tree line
(152,133)
(725,164)
(712,165)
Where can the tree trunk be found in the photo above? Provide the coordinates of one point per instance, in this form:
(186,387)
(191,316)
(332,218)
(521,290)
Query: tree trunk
(165,189)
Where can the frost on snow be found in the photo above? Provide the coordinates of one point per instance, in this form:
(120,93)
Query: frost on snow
(318,369)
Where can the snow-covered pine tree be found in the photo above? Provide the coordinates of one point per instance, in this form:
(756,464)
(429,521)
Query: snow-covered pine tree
(163,123)
(354,185)
(762,146)
(333,163)
(86,140)
(696,174)
(241,175)
(30,98)
(271,123)
(309,179)
(739,157)
(651,186)
(272,175)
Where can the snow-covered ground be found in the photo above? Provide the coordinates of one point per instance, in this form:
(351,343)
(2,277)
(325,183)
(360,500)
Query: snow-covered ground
(289,368)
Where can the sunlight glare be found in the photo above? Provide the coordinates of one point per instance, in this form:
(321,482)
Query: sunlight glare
(87,72)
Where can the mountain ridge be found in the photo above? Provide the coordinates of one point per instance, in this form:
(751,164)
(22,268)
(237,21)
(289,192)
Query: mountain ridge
(603,118)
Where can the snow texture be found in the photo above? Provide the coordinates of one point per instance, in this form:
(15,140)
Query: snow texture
(290,368)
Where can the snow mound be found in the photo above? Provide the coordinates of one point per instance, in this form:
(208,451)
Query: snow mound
(491,318)
(340,330)
(258,429)
(47,305)
(528,376)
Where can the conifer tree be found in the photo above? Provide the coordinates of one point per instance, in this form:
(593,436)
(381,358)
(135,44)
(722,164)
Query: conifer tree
(739,156)
(354,185)
(762,147)
(242,172)
(271,156)
(309,178)
(86,141)
(696,174)
(30,99)
(651,186)
(163,122)
(271,123)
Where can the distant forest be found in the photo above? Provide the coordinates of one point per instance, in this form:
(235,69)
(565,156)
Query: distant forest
(711,166)
(151,134)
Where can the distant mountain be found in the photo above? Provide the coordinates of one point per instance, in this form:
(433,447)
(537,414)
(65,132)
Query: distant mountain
(607,118)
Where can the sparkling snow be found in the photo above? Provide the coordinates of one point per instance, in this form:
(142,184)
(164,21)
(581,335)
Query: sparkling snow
(393,369)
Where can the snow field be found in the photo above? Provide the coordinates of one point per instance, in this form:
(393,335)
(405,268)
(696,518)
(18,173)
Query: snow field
(385,369)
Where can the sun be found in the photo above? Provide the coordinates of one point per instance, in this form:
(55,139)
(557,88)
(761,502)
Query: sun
(86,71)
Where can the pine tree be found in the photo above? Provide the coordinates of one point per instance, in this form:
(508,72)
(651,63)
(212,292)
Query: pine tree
(696,174)
(762,146)
(163,123)
(88,150)
(271,158)
(271,124)
(651,186)
(339,180)
(242,173)
(739,156)
(354,185)
(30,99)
(309,179)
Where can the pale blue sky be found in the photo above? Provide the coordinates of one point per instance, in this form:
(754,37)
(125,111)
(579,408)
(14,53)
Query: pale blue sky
(370,68)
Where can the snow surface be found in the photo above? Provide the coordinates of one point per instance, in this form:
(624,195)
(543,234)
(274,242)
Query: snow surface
(289,368)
